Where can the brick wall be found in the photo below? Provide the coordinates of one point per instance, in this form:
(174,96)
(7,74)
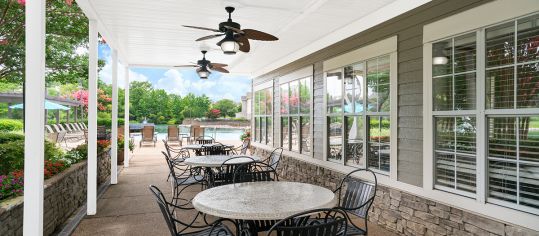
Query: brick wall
(399,211)
(63,195)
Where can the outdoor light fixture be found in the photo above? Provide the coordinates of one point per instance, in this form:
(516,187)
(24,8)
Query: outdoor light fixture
(229,44)
(203,72)
(439,56)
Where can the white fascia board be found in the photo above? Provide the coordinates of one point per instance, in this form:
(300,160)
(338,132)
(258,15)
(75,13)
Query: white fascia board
(381,15)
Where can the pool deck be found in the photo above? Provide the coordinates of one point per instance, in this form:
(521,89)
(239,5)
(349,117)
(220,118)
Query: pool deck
(128,208)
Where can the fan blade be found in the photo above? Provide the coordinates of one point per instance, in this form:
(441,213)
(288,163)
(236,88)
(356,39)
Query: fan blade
(223,70)
(259,35)
(186,66)
(218,65)
(236,30)
(202,28)
(244,43)
(209,37)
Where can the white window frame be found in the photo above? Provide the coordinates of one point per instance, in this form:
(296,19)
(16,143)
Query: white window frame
(256,88)
(458,24)
(383,47)
(297,75)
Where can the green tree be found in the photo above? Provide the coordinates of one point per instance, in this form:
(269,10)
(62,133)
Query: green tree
(195,106)
(67,31)
(227,107)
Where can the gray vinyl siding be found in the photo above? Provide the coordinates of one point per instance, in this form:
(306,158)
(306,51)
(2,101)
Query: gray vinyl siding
(409,29)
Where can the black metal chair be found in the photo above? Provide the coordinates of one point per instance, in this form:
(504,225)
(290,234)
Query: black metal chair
(357,199)
(318,222)
(215,149)
(254,172)
(177,156)
(274,158)
(178,226)
(183,176)
(225,173)
(242,149)
(204,140)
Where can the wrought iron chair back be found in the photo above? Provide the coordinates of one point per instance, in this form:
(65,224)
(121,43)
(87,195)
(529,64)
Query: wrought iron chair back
(244,146)
(204,140)
(254,172)
(318,222)
(274,158)
(358,195)
(225,173)
(178,226)
(215,149)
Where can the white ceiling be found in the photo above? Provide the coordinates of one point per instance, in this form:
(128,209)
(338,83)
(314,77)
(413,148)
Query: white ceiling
(150,33)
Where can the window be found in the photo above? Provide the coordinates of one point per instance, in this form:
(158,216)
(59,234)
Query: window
(263,118)
(358,105)
(296,115)
(489,98)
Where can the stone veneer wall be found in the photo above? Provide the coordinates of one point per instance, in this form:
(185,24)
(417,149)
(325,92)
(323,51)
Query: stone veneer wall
(64,194)
(399,211)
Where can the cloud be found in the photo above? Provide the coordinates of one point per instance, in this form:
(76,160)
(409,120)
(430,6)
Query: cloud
(173,82)
(105,74)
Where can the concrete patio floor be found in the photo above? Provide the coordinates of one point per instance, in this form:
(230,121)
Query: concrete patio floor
(129,208)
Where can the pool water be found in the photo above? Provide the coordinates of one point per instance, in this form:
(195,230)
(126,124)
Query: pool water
(217,133)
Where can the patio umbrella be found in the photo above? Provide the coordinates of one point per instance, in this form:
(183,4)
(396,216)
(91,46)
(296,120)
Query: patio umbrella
(48,106)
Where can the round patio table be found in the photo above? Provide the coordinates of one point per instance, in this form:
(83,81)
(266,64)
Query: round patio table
(263,200)
(199,146)
(217,160)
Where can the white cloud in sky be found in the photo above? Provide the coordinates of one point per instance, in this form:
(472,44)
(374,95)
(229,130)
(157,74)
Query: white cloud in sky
(105,74)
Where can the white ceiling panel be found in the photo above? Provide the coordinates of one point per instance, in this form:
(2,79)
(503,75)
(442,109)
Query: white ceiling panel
(150,32)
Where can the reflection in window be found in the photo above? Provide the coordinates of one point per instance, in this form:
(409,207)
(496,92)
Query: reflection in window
(354,140)
(296,108)
(455,156)
(334,92)
(263,104)
(378,143)
(335,126)
(378,84)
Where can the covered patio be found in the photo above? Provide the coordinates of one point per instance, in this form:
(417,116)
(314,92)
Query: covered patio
(349,85)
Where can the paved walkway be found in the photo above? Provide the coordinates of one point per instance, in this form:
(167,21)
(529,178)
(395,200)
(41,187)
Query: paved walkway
(129,208)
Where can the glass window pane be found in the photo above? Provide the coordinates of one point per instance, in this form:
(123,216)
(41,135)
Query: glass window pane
(284,98)
(257,129)
(359,85)
(256,104)
(500,88)
(465,133)
(294,97)
(269,133)
(445,169)
(348,89)
(529,139)
(465,92)
(502,137)
(466,173)
(263,130)
(500,43)
(502,181)
(445,134)
(378,143)
(335,126)
(305,134)
(285,138)
(442,53)
(443,93)
(528,85)
(528,39)
(354,140)
(269,101)
(294,141)
(529,185)
(334,92)
(372,84)
(465,53)
(305,95)
(262,102)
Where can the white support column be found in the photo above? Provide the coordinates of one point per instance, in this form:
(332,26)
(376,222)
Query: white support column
(92,119)
(126,117)
(34,157)
(114,138)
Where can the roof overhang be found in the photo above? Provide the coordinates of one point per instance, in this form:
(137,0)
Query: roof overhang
(149,33)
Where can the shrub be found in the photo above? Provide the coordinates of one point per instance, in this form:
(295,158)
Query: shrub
(10,137)
(11,185)
(172,122)
(7,125)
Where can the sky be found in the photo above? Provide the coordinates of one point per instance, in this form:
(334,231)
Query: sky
(218,86)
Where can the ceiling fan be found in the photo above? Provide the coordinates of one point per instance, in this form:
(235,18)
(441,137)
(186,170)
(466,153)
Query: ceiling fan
(236,39)
(204,67)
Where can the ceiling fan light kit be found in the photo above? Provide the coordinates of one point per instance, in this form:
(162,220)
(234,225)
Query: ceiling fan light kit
(235,40)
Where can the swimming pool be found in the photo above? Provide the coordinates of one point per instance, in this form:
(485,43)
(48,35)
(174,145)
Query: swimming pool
(217,133)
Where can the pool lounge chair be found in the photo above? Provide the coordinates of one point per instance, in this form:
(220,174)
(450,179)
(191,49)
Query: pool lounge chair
(173,135)
(148,136)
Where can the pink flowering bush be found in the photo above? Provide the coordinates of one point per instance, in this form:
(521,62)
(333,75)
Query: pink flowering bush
(11,185)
